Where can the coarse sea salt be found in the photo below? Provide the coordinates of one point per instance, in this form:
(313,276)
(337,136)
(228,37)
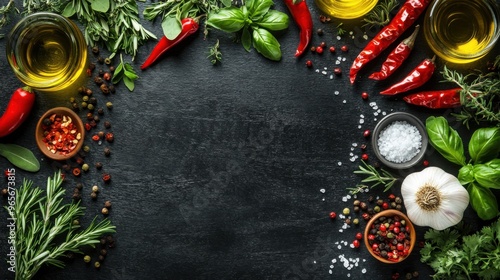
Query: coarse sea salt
(399,142)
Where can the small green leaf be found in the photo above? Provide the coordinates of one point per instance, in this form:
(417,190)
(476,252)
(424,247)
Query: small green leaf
(266,44)
(488,174)
(118,74)
(69,10)
(129,83)
(274,20)
(171,27)
(227,19)
(20,157)
(246,39)
(100,5)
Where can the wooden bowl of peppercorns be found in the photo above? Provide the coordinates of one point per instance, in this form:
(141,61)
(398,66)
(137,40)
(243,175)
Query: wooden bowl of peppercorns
(390,236)
(59,133)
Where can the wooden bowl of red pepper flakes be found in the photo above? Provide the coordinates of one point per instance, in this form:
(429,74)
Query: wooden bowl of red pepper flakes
(390,236)
(60,133)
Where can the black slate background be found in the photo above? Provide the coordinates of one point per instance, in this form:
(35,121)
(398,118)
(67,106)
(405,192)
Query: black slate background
(218,170)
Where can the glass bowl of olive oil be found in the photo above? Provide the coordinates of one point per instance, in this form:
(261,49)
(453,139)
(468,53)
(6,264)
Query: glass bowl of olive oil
(47,51)
(346,9)
(462,31)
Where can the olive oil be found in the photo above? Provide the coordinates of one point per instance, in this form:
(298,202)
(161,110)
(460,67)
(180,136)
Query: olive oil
(47,52)
(460,31)
(346,9)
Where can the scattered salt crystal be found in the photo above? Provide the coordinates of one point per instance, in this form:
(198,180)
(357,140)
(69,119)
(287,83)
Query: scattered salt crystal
(344,199)
(338,37)
(336,92)
(331,76)
(363,270)
(337,62)
(339,163)
(354,144)
(344,101)
(324,72)
(330,271)
(365,37)
(344,59)
(322,190)
(334,260)
(361,121)
(341,230)
(339,247)
(317,70)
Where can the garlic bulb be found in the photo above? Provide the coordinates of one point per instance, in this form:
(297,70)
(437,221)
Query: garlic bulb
(434,198)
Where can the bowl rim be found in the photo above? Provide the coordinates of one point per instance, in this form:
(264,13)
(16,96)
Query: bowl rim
(388,212)
(39,133)
(400,116)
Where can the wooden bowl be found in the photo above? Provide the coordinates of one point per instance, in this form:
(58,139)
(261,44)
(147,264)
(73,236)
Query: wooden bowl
(390,213)
(59,153)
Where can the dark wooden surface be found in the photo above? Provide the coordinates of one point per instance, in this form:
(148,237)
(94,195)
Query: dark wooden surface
(230,171)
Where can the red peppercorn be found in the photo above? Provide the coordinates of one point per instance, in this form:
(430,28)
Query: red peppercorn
(426,163)
(344,48)
(319,49)
(309,64)
(365,216)
(110,137)
(337,71)
(322,44)
(96,137)
(106,76)
(371,237)
(366,133)
(106,178)
(359,236)
(364,95)
(332,49)
(400,247)
(396,230)
(76,171)
(385,205)
(333,215)
(356,243)
(364,157)
(382,228)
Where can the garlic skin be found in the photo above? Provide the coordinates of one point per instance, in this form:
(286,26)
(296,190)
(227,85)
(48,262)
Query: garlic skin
(434,198)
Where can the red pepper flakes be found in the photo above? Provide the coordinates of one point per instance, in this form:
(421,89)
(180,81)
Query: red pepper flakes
(96,137)
(60,134)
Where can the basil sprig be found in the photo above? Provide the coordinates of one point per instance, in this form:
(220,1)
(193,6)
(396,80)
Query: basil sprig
(20,157)
(482,172)
(254,22)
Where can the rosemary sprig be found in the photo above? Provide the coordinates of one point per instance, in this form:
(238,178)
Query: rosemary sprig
(5,12)
(480,96)
(374,177)
(340,30)
(380,15)
(45,230)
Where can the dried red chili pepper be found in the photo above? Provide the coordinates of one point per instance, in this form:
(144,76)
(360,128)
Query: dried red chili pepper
(417,77)
(17,110)
(405,17)
(437,99)
(189,26)
(302,16)
(396,57)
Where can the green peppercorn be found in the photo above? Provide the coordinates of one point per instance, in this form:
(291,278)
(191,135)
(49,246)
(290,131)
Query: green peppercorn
(86,148)
(97,264)
(76,222)
(85,98)
(355,221)
(85,167)
(84,104)
(95,50)
(87,258)
(109,104)
(95,188)
(107,61)
(90,107)
(376,209)
(346,211)
(72,99)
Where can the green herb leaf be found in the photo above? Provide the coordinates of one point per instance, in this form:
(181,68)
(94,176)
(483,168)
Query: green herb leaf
(485,144)
(69,10)
(266,44)
(246,39)
(227,19)
(129,83)
(445,140)
(274,20)
(20,157)
(100,5)
(172,27)
(466,174)
(125,72)
(258,8)
(483,201)
(488,174)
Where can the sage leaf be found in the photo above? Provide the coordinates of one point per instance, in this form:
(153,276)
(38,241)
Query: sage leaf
(483,201)
(258,8)
(266,44)
(228,20)
(69,10)
(100,5)
(20,157)
(171,27)
(485,144)
(445,140)
(274,21)
(246,39)
(488,174)
(129,83)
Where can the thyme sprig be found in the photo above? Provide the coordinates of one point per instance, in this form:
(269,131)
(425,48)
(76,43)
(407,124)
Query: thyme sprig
(380,15)
(373,178)
(480,96)
(45,230)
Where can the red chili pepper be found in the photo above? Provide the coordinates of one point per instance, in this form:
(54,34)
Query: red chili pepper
(396,57)
(189,26)
(405,17)
(437,99)
(17,110)
(419,76)
(302,16)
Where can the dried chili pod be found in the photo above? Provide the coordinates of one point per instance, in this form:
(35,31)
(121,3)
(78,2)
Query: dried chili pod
(417,77)
(436,99)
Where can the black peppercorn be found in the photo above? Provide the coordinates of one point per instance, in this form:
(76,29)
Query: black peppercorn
(98,80)
(95,50)
(107,151)
(4,192)
(100,60)
(112,88)
(98,165)
(47,122)
(93,195)
(107,124)
(104,88)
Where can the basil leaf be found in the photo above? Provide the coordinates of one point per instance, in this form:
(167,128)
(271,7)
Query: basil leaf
(274,20)
(484,144)
(227,19)
(445,140)
(266,44)
(488,174)
(20,157)
(246,39)
(466,174)
(172,27)
(483,201)
(258,8)
(100,5)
